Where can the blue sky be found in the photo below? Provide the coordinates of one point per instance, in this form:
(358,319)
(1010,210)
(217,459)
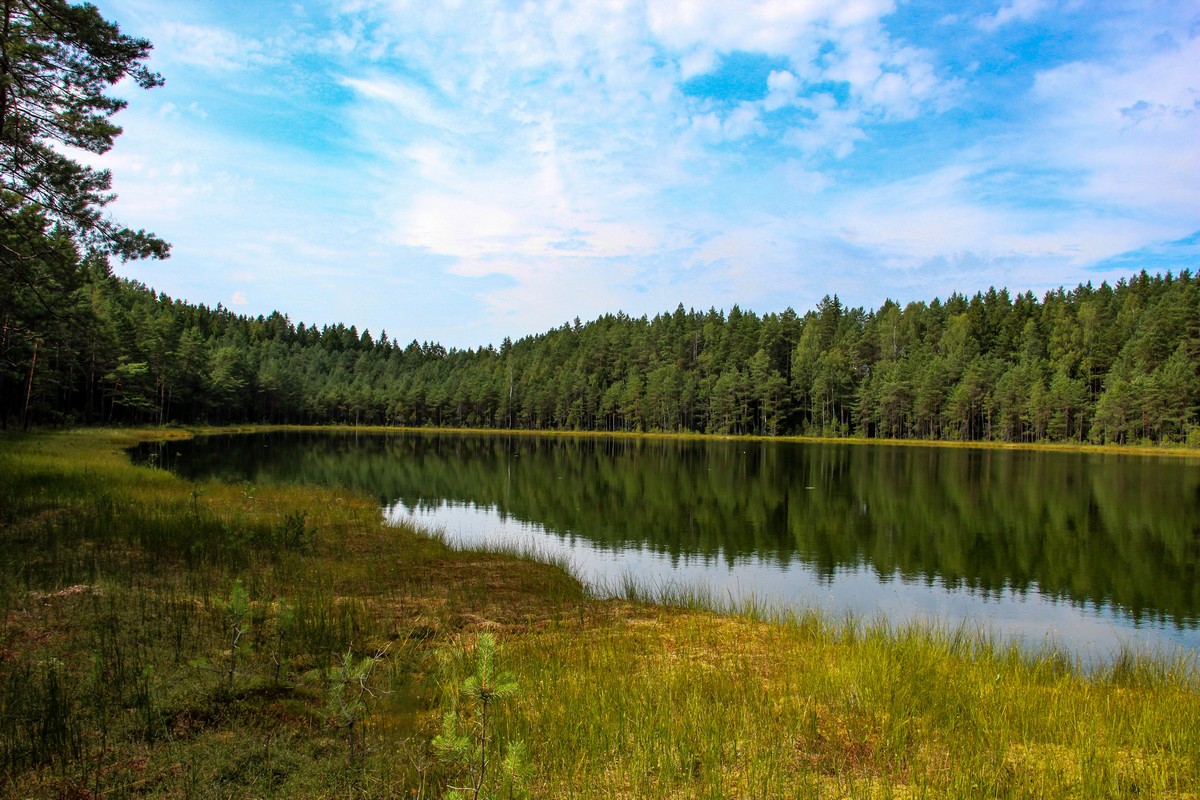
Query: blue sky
(464,171)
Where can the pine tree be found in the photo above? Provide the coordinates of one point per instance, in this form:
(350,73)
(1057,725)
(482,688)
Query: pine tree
(56,61)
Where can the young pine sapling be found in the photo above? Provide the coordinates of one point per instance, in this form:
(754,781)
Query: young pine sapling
(348,693)
(237,614)
(463,742)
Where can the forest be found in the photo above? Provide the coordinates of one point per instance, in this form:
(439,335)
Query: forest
(78,345)
(1108,364)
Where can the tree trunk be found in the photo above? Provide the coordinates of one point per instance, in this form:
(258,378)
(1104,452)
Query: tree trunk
(26,421)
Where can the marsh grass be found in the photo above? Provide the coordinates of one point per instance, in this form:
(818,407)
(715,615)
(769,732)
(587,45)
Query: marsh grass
(115,658)
(168,638)
(687,703)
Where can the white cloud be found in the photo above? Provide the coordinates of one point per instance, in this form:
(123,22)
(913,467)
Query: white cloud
(1131,130)
(832,130)
(1014,11)
(211,48)
(947,213)
(763,26)
(172,111)
(740,122)
(783,88)
(238,299)
(407,99)
(579,130)
(519,165)
(545,295)
(822,42)
(697,62)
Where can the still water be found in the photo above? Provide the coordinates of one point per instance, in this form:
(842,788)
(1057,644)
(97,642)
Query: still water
(1086,551)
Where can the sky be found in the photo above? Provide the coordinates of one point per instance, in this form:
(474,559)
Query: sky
(463,171)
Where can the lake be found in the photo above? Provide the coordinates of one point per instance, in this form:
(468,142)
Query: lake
(1089,551)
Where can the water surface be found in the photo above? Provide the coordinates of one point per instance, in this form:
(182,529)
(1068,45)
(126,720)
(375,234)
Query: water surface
(1088,551)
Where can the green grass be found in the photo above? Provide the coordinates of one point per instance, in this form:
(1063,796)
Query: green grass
(687,704)
(117,677)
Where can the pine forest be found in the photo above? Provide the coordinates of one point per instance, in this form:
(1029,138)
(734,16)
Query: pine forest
(1107,364)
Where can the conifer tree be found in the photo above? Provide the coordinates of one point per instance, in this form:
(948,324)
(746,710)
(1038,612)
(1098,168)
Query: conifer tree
(56,62)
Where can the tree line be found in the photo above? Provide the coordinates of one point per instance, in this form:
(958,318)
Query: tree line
(1113,363)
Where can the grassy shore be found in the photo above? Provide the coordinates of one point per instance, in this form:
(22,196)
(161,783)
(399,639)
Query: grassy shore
(171,639)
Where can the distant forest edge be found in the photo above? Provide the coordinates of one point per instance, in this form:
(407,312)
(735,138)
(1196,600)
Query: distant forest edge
(1111,364)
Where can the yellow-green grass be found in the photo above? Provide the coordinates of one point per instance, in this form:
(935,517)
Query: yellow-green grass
(116,676)
(693,704)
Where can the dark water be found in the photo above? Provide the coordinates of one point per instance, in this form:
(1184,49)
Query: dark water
(1088,551)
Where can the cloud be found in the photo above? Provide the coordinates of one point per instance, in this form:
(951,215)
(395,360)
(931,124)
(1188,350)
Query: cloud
(211,48)
(408,100)
(697,62)
(170,110)
(588,61)
(518,165)
(1015,11)
(238,299)
(831,130)
(582,143)
(783,89)
(844,72)
(1130,131)
(763,26)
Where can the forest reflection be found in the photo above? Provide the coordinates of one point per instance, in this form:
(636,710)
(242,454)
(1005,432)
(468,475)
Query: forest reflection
(1089,529)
